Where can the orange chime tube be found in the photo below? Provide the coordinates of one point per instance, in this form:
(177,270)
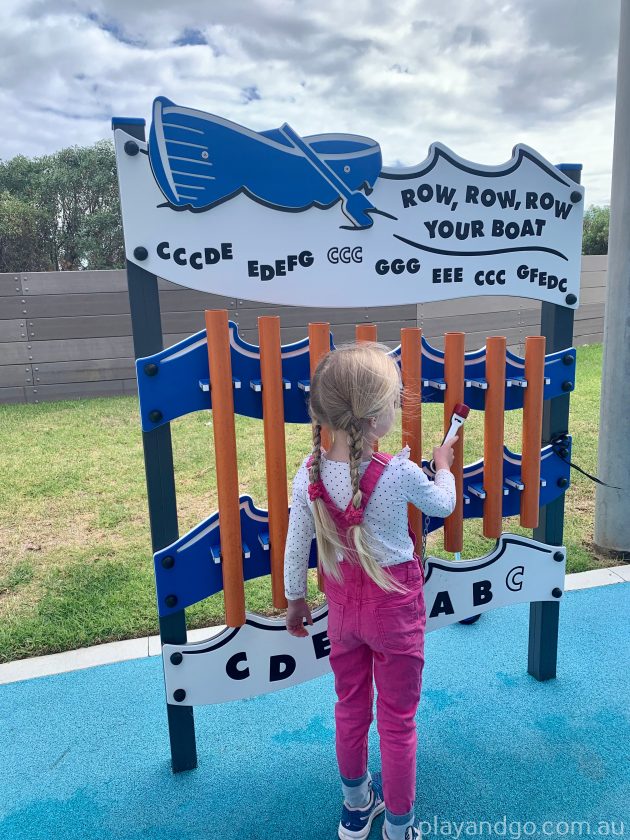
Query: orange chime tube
(411,372)
(493,437)
(366,332)
(319,344)
(275,449)
(454,348)
(532,429)
(227,468)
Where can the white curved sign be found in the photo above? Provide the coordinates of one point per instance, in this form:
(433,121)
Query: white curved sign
(271,216)
(261,656)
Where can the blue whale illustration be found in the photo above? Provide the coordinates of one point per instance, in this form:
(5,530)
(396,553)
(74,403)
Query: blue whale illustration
(200,160)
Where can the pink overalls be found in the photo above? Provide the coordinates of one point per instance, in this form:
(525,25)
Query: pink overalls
(381,633)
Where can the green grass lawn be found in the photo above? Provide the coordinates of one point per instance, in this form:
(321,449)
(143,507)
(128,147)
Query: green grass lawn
(76,562)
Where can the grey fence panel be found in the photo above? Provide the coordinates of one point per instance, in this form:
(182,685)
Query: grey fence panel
(594,262)
(11,375)
(591,310)
(12,306)
(85,326)
(90,370)
(490,321)
(515,337)
(15,353)
(80,390)
(13,395)
(65,335)
(388,333)
(72,282)
(299,316)
(10,286)
(12,329)
(472,305)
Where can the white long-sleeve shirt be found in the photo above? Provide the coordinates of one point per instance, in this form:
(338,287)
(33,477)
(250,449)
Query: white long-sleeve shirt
(385,514)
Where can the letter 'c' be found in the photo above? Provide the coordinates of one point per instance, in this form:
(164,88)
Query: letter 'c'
(232,671)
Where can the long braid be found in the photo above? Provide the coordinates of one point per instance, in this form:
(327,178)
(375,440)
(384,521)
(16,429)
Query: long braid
(315,470)
(355,441)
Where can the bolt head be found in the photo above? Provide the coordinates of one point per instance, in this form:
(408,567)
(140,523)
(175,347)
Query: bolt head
(567,386)
(177,658)
(558,556)
(576,196)
(168,562)
(556,592)
(140,253)
(562,482)
(171,600)
(179,694)
(132,148)
(151,369)
(570,299)
(155,416)
(568,359)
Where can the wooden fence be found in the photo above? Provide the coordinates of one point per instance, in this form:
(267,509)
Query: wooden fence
(67,334)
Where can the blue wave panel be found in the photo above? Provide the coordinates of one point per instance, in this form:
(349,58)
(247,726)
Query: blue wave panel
(559,376)
(193,571)
(181,383)
(553,470)
(175,381)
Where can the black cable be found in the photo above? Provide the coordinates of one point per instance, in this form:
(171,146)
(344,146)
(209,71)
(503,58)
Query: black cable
(559,445)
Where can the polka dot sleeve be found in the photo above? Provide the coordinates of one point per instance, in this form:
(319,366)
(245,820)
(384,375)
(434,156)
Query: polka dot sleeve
(434,498)
(299,538)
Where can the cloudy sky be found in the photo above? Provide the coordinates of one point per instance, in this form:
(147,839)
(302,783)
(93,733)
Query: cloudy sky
(477,75)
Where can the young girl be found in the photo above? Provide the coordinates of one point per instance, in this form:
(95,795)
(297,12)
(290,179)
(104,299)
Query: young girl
(355,501)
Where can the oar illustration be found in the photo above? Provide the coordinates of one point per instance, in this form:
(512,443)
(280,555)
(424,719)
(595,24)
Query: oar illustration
(355,205)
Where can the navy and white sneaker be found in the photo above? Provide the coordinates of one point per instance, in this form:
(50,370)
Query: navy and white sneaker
(356,823)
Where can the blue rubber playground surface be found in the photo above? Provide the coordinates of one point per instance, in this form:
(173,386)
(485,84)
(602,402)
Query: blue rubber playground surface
(86,755)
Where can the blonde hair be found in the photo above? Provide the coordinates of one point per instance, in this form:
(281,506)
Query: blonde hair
(351,384)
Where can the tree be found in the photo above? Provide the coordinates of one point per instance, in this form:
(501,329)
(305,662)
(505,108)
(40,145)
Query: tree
(595,231)
(73,194)
(24,244)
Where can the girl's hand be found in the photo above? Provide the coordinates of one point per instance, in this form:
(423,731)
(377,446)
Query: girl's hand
(296,613)
(443,456)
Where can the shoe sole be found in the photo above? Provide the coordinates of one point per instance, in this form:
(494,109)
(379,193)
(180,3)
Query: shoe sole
(344,834)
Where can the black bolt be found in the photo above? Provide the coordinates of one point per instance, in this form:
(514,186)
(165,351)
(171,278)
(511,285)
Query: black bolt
(140,253)
(570,299)
(568,359)
(567,386)
(171,600)
(177,658)
(151,369)
(562,482)
(179,694)
(558,556)
(576,196)
(131,147)
(168,562)
(556,592)
(563,452)
(155,416)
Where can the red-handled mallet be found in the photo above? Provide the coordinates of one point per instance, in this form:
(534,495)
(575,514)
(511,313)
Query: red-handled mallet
(460,413)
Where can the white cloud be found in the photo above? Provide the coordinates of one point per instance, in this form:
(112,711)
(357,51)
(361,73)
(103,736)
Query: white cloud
(479,76)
